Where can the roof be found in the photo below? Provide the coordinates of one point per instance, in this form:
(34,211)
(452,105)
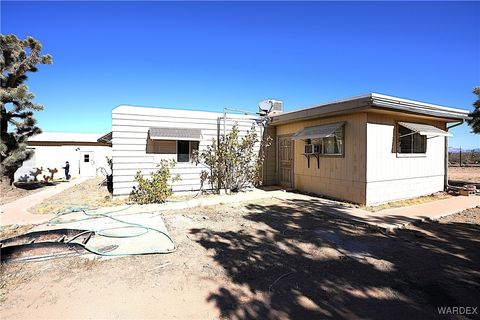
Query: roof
(179,113)
(66,137)
(107,138)
(161,133)
(370,100)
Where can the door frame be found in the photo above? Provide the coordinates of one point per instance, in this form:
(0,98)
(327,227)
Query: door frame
(81,154)
(292,174)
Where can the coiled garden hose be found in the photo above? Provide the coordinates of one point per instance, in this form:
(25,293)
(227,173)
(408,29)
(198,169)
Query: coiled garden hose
(105,233)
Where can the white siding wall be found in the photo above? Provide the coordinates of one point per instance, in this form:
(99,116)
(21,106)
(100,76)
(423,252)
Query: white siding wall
(390,177)
(55,157)
(130,128)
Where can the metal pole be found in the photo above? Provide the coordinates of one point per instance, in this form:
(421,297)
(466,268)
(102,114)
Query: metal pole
(224,121)
(460,156)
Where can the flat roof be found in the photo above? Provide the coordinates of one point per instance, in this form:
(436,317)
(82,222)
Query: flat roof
(66,137)
(370,100)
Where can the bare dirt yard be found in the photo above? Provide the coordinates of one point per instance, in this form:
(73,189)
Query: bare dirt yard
(20,190)
(88,194)
(268,259)
(465,174)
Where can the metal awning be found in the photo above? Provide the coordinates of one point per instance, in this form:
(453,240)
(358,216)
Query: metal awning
(317,132)
(107,138)
(425,129)
(188,134)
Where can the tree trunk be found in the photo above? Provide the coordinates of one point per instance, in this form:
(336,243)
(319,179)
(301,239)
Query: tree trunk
(5,185)
(7,175)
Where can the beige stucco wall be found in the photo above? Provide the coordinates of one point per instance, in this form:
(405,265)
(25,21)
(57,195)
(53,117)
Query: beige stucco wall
(391,177)
(341,177)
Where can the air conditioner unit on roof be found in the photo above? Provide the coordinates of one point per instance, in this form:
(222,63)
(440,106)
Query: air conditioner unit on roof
(271,106)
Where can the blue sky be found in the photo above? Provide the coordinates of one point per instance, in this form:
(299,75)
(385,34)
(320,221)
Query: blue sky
(208,55)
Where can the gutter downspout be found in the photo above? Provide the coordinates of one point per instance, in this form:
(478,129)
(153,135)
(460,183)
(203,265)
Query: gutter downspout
(445,181)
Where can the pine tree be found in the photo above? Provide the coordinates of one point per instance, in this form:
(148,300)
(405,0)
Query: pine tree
(475,114)
(17,123)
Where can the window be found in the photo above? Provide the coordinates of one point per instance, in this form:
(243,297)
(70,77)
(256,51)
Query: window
(411,142)
(86,158)
(185,150)
(332,145)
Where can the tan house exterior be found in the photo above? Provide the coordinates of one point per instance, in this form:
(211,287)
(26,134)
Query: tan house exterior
(369,166)
(369,149)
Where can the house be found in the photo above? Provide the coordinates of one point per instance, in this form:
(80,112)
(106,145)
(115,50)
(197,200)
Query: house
(86,153)
(369,149)
(143,136)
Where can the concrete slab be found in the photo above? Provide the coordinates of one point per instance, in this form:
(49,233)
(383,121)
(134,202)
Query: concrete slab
(387,219)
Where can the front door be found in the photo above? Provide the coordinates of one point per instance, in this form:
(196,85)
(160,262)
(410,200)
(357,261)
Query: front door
(87,164)
(285,161)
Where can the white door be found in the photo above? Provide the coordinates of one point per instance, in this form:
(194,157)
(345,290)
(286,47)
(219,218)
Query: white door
(87,164)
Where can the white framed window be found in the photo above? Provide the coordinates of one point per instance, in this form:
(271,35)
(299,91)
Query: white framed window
(333,145)
(185,150)
(410,142)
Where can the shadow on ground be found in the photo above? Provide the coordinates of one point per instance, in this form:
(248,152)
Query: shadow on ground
(302,264)
(35,185)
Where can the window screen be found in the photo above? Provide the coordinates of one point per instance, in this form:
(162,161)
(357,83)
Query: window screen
(411,142)
(331,145)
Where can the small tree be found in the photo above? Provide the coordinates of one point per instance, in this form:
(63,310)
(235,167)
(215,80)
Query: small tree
(233,162)
(16,59)
(475,114)
(157,188)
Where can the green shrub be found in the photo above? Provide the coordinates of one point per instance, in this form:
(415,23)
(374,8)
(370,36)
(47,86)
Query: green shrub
(157,188)
(233,162)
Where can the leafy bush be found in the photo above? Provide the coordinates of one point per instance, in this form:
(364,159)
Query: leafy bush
(233,162)
(157,188)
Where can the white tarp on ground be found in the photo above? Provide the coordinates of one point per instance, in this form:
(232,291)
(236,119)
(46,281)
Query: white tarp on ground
(123,230)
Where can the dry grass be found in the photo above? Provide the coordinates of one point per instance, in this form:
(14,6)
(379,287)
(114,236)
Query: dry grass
(87,195)
(408,202)
(14,230)
(13,275)
(83,263)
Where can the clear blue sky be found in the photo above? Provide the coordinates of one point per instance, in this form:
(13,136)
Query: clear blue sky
(205,56)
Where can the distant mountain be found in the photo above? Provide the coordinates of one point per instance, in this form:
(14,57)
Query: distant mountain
(457,150)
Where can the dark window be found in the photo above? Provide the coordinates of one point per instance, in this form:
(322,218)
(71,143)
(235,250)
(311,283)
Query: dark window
(410,141)
(183,151)
(86,158)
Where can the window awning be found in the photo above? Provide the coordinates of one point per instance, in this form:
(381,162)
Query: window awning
(425,129)
(317,132)
(188,134)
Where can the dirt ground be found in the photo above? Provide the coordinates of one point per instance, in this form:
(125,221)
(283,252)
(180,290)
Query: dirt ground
(88,194)
(264,260)
(21,190)
(466,174)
